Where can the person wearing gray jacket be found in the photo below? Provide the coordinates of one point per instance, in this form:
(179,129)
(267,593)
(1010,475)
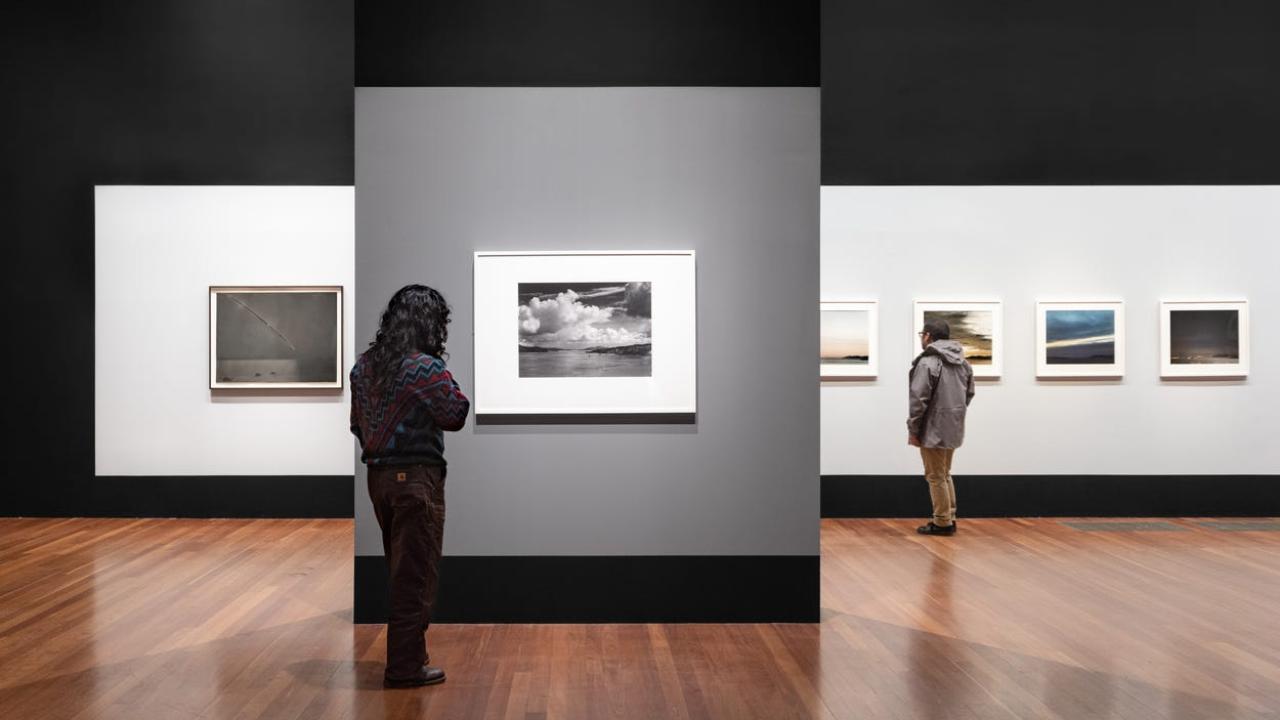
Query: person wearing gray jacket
(941,389)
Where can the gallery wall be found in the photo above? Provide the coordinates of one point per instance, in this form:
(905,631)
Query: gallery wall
(935,97)
(205,92)
(1023,244)
(1094,92)
(916,93)
(158,250)
(717,519)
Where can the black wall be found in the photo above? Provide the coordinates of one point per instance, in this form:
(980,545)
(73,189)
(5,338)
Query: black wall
(138,92)
(416,43)
(1014,92)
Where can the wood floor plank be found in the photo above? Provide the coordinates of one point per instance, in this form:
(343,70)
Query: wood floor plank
(1012,618)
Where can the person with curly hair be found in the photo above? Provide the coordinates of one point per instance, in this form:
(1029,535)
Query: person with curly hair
(403,399)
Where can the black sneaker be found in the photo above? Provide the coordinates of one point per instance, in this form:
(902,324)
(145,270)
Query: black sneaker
(931,529)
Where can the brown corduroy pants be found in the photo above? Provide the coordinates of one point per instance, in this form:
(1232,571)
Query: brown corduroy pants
(409,503)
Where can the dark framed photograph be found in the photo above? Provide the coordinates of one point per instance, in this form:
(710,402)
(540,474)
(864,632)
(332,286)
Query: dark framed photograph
(275,337)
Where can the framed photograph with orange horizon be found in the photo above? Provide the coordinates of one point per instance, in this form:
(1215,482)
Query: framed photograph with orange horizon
(977,325)
(849,339)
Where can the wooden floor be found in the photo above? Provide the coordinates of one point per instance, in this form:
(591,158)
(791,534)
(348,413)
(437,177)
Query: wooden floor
(154,619)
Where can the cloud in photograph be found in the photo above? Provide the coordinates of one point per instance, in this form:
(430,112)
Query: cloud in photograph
(584,315)
(1080,337)
(973,329)
(1066,327)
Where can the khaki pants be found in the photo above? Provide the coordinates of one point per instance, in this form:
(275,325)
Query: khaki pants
(942,490)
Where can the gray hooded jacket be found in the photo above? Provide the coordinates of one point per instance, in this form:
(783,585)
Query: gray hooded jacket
(941,389)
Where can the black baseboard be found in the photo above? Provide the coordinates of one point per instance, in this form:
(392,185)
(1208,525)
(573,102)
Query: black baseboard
(192,496)
(612,589)
(854,496)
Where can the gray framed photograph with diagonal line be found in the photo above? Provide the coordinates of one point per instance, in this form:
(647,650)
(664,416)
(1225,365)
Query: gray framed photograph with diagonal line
(275,337)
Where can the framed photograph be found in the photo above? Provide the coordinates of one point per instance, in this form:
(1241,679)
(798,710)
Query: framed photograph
(849,340)
(275,337)
(1204,339)
(1083,339)
(978,326)
(585,337)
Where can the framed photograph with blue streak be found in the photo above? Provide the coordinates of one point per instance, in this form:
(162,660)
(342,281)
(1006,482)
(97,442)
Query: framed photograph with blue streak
(1080,339)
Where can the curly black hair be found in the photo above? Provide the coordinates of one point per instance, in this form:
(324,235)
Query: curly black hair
(416,320)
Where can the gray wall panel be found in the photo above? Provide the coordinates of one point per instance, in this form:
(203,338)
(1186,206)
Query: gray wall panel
(731,173)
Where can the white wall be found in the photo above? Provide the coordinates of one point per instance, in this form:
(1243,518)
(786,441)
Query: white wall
(1020,244)
(158,249)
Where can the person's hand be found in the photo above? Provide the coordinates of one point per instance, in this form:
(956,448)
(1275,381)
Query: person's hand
(913,441)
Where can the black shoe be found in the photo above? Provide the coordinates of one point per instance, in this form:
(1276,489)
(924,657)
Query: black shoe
(932,529)
(425,676)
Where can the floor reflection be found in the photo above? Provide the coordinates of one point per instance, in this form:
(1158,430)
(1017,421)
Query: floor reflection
(932,674)
(217,619)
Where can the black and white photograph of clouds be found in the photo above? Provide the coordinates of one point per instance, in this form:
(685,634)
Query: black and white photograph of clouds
(1204,337)
(596,329)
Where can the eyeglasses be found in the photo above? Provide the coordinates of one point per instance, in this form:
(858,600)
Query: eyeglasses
(922,333)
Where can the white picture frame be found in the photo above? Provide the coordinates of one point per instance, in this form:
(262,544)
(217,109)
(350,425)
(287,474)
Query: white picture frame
(573,355)
(988,330)
(293,338)
(1080,339)
(1214,343)
(861,334)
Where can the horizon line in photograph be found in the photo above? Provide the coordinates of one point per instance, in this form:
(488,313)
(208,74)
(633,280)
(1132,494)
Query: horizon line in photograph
(1080,337)
(1204,337)
(276,337)
(844,337)
(973,329)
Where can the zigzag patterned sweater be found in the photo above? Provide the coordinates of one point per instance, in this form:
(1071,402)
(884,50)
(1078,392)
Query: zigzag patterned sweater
(404,423)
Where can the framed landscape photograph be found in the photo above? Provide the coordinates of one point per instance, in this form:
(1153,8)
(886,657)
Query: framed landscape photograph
(977,325)
(849,339)
(590,337)
(1080,339)
(275,337)
(1204,339)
